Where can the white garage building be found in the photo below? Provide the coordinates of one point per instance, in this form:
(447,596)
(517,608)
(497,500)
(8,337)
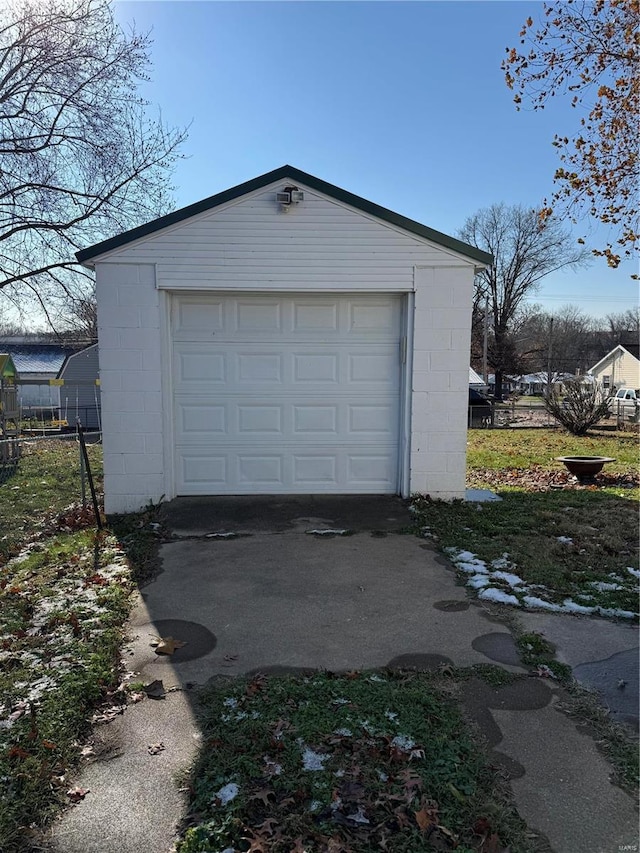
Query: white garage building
(284,336)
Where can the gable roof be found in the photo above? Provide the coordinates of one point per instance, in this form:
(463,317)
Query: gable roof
(295,175)
(475,378)
(619,348)
(39,358)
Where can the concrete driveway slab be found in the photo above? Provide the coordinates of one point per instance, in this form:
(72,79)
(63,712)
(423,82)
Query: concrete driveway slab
(348,602)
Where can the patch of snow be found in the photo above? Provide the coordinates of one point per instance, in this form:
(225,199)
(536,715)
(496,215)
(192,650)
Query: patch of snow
(227,793)
(403,742)
(465,556)
(634,572)
(499,596)
(570,606)
(230,702)
(478,581)
(376,678)
(391,715)
(564,540)
(312,760)
(502,562)
(382,776)
(614,611)
(507,577)
(601,586)
(533,601)
(475,568)
(343,732)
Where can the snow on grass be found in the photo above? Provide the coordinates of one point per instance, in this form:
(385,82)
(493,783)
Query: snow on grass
(564,540)
(312,760)
(536,603)
(601,586)
(507,577)
(478,581)
(499,596)
(227,793)
(491,580)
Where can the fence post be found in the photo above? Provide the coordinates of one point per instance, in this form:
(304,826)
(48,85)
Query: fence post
(83,490)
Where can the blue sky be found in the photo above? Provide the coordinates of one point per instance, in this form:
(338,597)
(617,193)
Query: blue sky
(403,103)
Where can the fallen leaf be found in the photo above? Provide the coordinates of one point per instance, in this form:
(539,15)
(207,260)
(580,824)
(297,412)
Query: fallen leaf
(425,819)
(263,794)
(18,752)
(155,748)
(136,697)
(76,794)
(86,751)
(155,690)
(167,645)
(49,744)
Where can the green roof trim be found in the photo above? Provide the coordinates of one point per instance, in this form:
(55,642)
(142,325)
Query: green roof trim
(297,176)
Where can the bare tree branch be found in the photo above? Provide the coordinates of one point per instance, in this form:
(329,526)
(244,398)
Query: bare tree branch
(81,158)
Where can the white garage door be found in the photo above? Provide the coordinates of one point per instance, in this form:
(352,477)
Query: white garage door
(286,394)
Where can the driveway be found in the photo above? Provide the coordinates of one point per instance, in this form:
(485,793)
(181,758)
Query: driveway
(291,584)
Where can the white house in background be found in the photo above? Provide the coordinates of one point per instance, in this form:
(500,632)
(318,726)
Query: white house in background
(283,336)
(618,369)
(535,384)
(476,381)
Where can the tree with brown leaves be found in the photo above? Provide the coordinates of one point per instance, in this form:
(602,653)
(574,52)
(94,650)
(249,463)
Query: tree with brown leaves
(589,52)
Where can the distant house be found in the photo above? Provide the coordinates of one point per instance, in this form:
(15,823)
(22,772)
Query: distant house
(509,384)
(535,384)
(58,381)
(476,381)
(619,368)
(80,393)
(37,364)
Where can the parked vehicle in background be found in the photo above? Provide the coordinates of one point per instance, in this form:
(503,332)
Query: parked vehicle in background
(625,402)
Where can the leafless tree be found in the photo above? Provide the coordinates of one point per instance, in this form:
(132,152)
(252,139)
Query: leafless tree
(578,406)
(80,157)
(524,250)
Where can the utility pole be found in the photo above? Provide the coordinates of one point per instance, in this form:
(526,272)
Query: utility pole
(485,373)
(550,357)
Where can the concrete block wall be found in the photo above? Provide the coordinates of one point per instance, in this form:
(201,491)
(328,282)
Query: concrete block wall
(440,380)
(133,409)
(131,385)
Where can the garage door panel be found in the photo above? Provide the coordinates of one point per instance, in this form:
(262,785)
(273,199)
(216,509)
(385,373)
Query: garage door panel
(303,421)
(315,419)
(295,317)
(286,470)
(286,394)
(258,367)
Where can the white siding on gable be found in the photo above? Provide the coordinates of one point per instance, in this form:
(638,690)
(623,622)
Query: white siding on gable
(621,368)
(319,244)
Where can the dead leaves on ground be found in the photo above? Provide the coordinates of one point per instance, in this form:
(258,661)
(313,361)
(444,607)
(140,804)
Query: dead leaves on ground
(76,794)
(166,645)
(539,479)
